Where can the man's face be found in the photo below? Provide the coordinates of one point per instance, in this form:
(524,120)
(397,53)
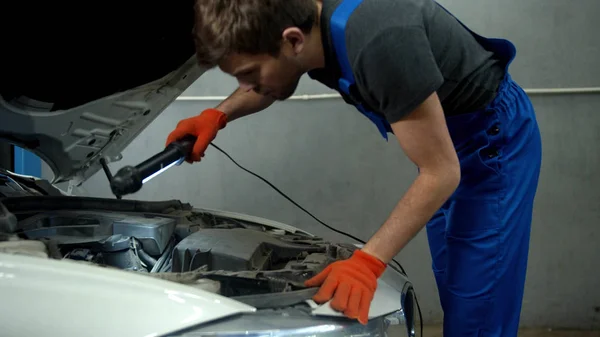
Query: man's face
(276,77)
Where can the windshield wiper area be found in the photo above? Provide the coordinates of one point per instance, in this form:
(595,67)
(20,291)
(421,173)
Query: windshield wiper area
(57,203)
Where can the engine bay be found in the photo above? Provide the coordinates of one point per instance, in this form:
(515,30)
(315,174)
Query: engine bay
(260,265)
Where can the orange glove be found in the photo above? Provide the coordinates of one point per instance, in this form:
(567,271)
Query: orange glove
(204,126)
(353,281)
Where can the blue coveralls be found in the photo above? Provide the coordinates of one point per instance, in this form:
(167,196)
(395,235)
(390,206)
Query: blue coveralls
(479,239)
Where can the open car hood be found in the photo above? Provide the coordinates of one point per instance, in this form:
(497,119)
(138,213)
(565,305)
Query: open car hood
(79,84)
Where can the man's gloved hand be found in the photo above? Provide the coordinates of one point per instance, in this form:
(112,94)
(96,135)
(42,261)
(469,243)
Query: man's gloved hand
(351,283)
(204,126)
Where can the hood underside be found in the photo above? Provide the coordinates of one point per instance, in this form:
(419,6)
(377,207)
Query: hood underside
(80,83)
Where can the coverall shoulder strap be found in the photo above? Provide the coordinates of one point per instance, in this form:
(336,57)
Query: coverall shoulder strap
(339,20)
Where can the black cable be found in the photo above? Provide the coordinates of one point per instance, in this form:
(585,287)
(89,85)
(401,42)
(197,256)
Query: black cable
(420,314)
(296,204)
(315,218)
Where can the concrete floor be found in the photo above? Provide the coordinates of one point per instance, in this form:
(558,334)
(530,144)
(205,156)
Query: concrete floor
(436,331)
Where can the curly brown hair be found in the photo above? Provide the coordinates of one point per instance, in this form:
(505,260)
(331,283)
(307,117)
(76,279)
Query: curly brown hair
(223,27)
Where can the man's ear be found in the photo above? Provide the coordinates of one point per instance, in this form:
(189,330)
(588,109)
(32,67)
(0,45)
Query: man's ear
(295,37)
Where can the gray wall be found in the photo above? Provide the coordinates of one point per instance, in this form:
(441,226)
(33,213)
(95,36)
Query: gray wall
(332,161)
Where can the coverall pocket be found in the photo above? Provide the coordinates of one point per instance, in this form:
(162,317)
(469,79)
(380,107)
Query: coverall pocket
(480,168)
(488,153)
(472,242)
(488,157)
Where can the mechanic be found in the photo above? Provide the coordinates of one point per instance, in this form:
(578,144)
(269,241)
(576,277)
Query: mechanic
(446,95)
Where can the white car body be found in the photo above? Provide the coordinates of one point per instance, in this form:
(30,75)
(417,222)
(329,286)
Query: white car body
(42,294)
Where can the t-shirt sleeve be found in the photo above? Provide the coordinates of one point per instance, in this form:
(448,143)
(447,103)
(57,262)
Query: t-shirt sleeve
(398,71)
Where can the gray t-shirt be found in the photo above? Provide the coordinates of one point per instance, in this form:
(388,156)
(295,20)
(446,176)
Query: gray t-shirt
(402,51)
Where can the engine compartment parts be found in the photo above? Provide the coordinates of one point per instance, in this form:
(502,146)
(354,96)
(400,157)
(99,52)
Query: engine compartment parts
(236,250)
(128,242)
(73,227)
(123,252)
(120,251)
(252,262)
(154,233)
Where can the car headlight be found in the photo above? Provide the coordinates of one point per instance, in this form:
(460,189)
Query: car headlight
(298,322)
